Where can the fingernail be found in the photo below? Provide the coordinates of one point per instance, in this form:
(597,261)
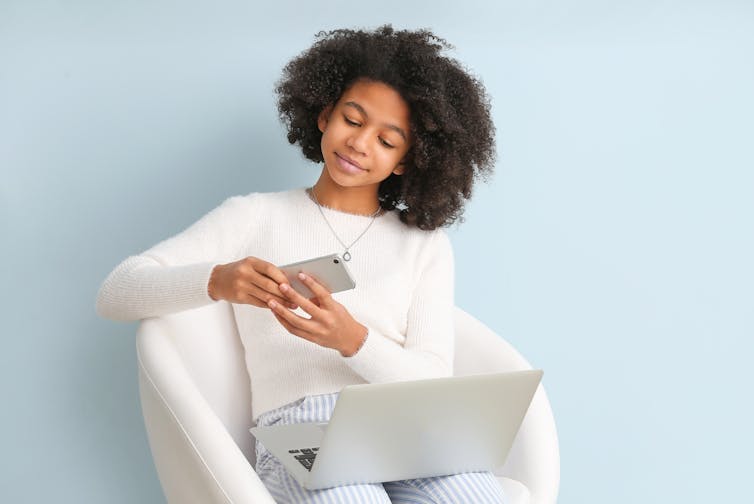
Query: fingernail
(272,304)
(283,287)
(302,276)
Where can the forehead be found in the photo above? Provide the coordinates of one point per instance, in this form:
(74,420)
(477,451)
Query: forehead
(379,101)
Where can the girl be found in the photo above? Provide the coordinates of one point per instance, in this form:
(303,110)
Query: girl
(402,132)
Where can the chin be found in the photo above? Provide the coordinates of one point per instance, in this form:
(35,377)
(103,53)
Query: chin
(337,177)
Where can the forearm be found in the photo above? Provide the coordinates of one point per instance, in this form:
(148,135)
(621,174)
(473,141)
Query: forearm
(173,275)
(140,287)
(426,349)
(381,360)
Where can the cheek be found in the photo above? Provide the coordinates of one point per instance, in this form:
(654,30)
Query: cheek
(331,134)
(397,155)
(389,160)
(326,140)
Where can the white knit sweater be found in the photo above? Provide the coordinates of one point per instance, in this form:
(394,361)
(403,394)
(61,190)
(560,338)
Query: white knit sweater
(404,292)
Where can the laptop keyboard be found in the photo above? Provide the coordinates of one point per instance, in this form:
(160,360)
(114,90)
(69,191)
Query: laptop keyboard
(305,456)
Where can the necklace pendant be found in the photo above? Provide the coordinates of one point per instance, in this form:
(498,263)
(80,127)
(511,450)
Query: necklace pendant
(347,256)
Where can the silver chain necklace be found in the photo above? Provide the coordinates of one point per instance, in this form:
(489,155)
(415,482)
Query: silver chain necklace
(346,254)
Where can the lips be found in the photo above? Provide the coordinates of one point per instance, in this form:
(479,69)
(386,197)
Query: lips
(348,164)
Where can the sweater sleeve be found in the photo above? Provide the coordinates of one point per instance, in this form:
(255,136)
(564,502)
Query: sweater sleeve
(428,348)
(173,275)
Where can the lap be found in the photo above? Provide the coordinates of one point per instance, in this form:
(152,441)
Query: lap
(477,487)
(285,489)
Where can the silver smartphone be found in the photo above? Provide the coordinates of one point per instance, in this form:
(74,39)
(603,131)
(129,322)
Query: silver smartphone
(329,270)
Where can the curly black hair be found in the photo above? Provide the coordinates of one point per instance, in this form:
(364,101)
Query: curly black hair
(453,135)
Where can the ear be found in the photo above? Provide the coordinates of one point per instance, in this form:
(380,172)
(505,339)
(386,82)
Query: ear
(400,169)
(324,118)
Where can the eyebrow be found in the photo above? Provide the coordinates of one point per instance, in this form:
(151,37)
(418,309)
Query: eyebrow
(364,112)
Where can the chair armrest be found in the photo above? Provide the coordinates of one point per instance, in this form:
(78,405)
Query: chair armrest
(535,456)
(196,458)
(534,459)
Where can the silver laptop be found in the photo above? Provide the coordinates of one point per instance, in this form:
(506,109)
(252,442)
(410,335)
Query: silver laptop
(404,430)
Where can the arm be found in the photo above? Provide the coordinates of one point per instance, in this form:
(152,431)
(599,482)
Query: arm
(428,349)
(141,287)
(174,274)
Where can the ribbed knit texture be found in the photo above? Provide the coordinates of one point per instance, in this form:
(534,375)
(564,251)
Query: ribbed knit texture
(404,292)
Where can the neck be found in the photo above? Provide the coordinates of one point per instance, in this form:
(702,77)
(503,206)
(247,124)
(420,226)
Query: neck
(353,200)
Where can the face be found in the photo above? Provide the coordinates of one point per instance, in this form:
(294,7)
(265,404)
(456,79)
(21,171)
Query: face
(365,135)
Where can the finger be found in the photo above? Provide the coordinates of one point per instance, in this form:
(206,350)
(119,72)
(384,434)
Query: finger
(283,322)
(296,331)
(293,319)
(295,297)
(265,297)
(271,271)
(269,286)
(319,290)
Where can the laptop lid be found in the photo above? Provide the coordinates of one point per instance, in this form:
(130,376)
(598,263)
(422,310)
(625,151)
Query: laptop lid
(422,428)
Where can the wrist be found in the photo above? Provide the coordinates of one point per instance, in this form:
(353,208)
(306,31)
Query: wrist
(212,284)
(357,343)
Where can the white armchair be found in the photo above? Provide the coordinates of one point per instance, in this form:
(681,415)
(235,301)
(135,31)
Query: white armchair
(195,399)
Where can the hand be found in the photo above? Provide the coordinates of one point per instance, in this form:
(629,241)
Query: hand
(248,281)
(330,324)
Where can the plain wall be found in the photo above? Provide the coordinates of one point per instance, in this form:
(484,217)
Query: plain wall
(613,247)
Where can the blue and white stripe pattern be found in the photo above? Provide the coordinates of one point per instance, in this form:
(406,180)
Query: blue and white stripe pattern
(476,487)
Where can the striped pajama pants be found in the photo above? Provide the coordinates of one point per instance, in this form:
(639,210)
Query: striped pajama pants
(472,488)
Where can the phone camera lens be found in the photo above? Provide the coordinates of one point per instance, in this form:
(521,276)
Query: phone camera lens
(336,261)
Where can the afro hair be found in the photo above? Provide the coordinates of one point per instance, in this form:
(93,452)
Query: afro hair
(453,135)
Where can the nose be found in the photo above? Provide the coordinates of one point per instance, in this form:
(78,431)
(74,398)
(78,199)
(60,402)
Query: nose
(358,141)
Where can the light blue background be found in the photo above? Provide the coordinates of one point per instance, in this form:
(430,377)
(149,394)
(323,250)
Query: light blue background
(613,247)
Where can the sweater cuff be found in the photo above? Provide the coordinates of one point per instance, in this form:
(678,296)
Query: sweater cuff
(180,288)
(369,360)
(197,284)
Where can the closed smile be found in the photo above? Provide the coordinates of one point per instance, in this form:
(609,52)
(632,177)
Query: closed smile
(349,161)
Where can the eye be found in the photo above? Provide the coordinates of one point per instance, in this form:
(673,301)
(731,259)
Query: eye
(350,122)
(386,144)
